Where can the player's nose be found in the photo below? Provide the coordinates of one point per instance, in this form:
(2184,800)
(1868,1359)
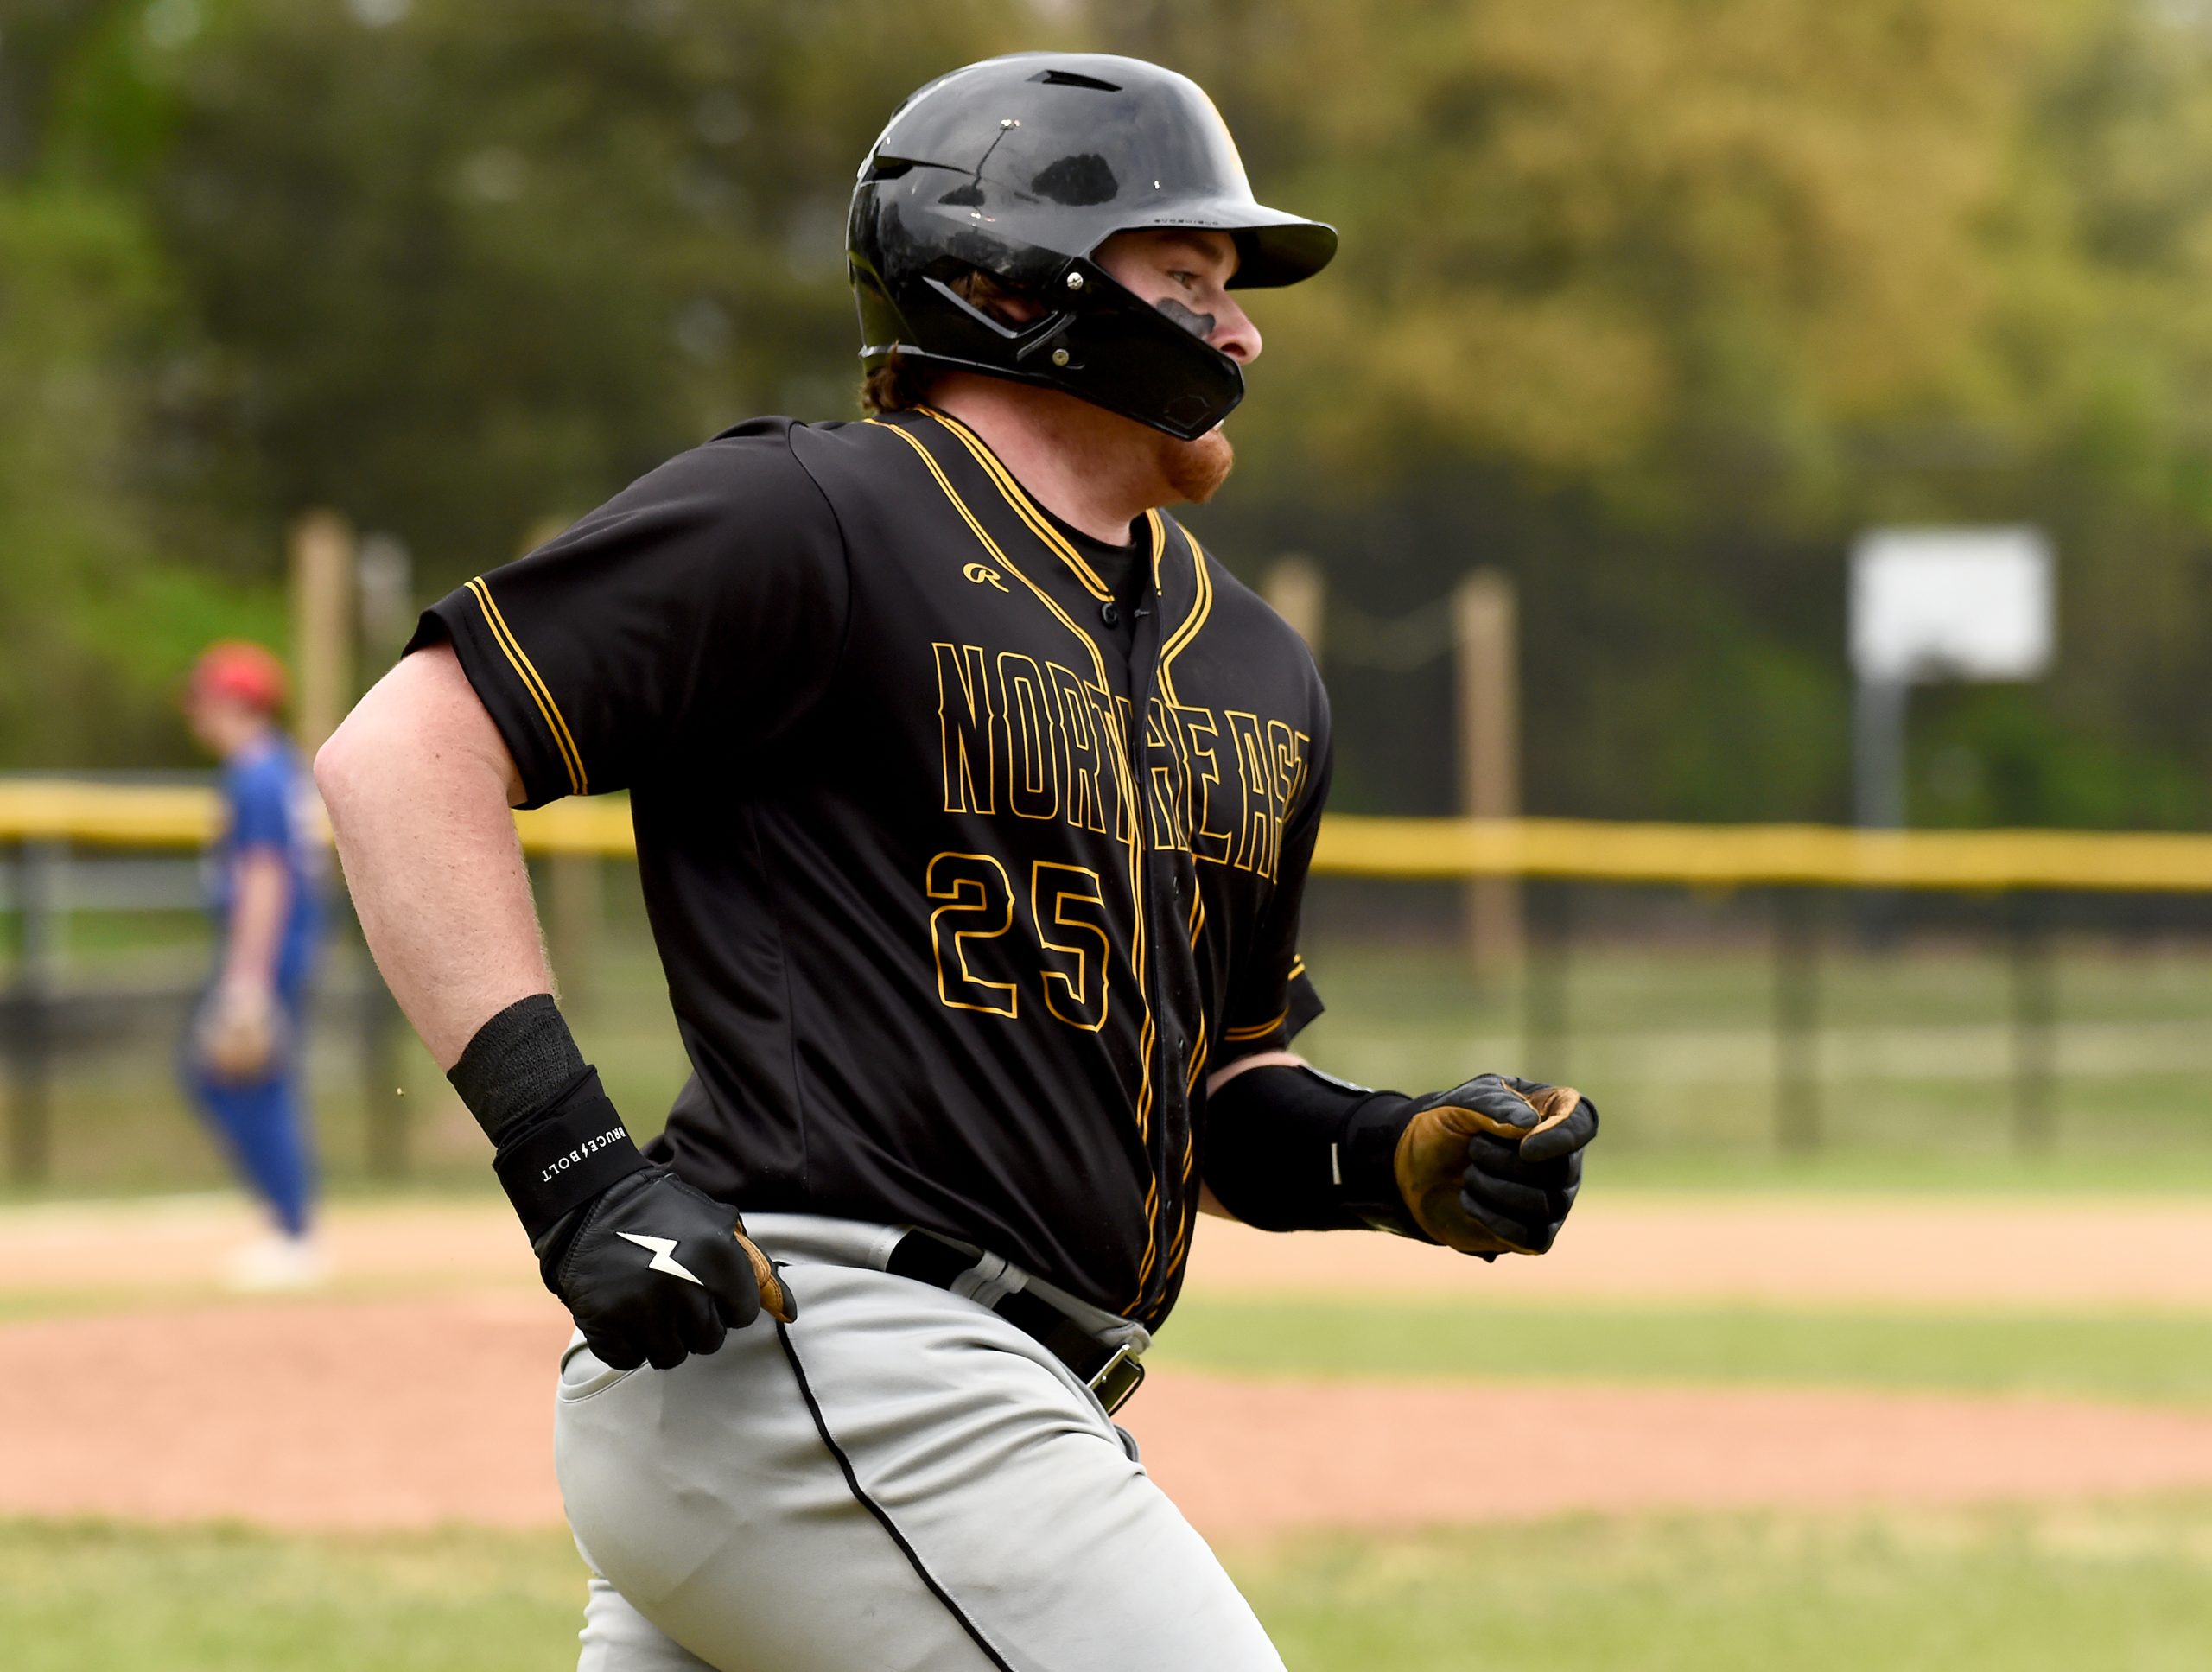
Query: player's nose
(1233,333)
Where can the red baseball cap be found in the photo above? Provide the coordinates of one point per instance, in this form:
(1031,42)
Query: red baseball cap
(241,671)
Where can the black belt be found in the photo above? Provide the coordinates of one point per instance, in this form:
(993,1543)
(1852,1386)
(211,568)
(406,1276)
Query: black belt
(1110,1372)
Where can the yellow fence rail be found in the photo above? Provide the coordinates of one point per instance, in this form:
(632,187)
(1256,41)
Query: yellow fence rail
(92,814)
(1741,855)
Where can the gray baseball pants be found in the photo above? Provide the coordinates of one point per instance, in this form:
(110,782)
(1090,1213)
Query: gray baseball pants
(901,1481)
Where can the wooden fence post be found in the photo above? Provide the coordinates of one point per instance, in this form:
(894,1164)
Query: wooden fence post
(1487,684)
(323,627)
(1298,592)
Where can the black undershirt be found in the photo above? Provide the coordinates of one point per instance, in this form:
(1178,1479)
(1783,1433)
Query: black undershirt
(1122,568)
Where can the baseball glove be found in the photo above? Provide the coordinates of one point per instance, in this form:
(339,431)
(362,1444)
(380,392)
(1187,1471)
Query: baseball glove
(238,1035)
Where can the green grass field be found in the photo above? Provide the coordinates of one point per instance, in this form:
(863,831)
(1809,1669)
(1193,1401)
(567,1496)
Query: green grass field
(2116,1589)
(1914,1057)
(2165,1359)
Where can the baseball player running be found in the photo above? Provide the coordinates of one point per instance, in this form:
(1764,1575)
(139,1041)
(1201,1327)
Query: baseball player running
(973,803)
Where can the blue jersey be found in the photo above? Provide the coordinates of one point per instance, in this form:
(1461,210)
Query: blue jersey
(267,805)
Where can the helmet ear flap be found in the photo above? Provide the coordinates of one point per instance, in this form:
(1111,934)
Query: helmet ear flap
(989,300)
(967,317)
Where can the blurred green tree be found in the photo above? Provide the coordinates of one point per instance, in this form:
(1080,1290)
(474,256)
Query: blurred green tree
(477,264)
(1653,302)
(1657,302)
(102,600)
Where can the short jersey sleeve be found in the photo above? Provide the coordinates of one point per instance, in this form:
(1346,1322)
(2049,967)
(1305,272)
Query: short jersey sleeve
(260,797)
(707,601)
(1271,996)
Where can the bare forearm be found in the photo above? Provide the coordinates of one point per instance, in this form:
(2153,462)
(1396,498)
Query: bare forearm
(261,896)
(419,787)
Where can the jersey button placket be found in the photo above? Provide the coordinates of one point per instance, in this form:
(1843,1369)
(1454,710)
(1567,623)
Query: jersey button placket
(1144,670)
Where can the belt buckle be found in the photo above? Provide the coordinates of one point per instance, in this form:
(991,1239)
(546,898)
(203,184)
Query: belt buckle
(1119,1378)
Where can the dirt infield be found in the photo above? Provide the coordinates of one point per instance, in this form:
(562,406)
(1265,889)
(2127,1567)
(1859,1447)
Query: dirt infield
(1904,1251)
(409,1414)
(418,1391)
(1963,1253)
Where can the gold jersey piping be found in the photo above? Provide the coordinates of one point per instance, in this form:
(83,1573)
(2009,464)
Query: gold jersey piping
(1027,509)
(572,761)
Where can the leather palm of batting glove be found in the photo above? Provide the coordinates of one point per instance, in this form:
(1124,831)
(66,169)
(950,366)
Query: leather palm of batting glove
(1492,1166)
(653,1270)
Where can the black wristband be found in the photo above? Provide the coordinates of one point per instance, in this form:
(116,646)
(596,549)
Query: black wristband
(1367,1155)
(566,1156)
(1290,1148)
(516,1066)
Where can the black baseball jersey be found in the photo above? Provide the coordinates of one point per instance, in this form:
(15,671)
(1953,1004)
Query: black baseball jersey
(963,871)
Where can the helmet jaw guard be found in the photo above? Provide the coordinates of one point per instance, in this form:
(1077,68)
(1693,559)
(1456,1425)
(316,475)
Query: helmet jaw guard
(1103,344)
(1021,167)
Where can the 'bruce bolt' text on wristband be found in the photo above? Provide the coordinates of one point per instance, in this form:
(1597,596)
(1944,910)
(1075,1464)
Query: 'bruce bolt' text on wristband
(566,1156)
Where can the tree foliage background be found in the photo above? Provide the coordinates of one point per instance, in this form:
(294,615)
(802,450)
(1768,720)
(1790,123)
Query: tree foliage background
(1654,303)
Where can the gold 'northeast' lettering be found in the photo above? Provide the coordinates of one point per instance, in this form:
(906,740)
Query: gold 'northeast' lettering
(1200,732)
(1084,803)
(1254,773)
(1032,755)
(1288,750)
(965,735)
(1041,742)
(1168,768)
(1120,707)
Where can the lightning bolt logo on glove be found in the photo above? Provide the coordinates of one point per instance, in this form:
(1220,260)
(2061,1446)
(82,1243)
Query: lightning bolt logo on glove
(663,1253)
(626,1312)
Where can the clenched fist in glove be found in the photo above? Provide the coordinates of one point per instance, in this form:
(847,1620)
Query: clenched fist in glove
(652,1269)
(1492,1167)
(1489,1167)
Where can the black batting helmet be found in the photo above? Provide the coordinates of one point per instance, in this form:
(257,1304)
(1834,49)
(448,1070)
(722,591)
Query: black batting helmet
(1019,168)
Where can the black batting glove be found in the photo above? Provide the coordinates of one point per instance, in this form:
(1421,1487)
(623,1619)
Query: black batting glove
(1492,1166)
(653,1270)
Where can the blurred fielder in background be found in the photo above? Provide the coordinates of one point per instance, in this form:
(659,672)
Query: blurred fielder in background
(242,1057)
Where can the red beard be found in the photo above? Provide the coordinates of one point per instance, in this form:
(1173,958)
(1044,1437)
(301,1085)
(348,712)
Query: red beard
(1196,470)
